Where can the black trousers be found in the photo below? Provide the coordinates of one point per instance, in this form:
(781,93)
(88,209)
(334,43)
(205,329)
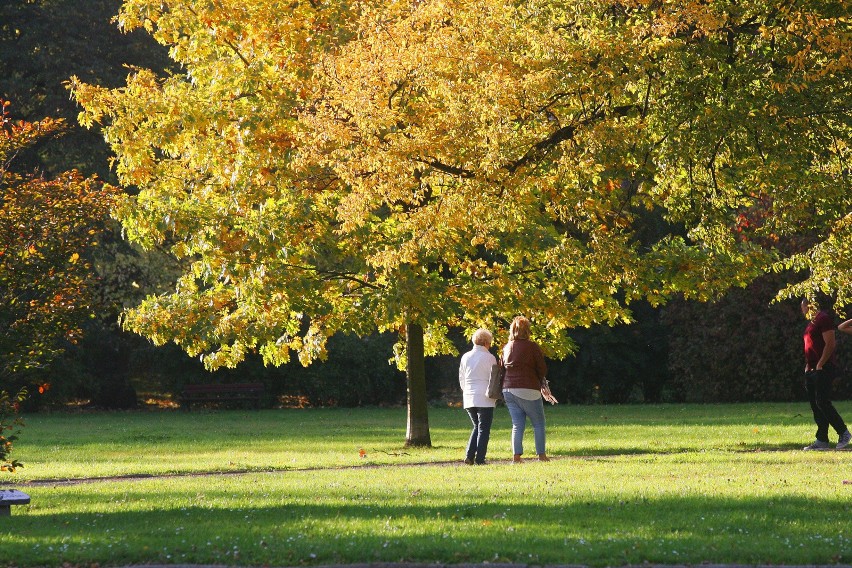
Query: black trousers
(819,384)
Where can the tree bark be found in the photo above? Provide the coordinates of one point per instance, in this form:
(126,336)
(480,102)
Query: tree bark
(417,433)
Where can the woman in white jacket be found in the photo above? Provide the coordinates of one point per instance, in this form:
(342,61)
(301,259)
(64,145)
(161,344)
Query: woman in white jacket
(474,373)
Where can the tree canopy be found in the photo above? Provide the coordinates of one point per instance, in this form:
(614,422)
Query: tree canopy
(418,165)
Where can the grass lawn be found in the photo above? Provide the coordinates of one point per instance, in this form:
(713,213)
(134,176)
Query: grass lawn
(672,484)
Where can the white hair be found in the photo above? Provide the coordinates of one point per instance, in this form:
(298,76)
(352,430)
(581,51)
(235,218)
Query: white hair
(482,337)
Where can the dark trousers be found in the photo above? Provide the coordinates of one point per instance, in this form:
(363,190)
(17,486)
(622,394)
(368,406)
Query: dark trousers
(819,384)
(477,445)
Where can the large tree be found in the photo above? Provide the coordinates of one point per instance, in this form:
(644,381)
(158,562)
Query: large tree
(412,166)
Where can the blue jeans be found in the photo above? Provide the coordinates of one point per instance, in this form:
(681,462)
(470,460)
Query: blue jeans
(519,410)
(477,445)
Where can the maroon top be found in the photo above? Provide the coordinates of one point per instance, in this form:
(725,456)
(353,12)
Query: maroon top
(814,341)
(525,366)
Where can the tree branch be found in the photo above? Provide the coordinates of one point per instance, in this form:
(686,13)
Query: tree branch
(446,168)
(332,275)
(560,135)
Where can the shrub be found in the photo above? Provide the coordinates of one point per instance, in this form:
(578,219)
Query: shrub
(12,423)
(741,348)
(615,365)
(356,373)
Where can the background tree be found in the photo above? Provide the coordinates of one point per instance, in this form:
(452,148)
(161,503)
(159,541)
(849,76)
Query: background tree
(414,166)
(43,43)
(746,352)
(47,230)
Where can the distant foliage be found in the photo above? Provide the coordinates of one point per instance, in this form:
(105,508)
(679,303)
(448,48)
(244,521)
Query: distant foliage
(356,373)
(616,365)
(48,228)
(43,43)
(742,349)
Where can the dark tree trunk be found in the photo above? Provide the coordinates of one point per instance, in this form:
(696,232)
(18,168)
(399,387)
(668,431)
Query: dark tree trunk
(417,433)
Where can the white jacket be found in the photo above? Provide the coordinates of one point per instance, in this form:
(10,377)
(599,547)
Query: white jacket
(474,374)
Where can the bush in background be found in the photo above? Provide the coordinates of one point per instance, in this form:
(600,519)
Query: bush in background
(741,348)
(356,373)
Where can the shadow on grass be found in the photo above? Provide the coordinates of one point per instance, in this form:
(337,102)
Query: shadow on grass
(216,527)
(613,451)
(603,453)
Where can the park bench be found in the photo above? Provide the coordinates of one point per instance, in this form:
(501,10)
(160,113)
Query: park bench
(9,497)
(222,392)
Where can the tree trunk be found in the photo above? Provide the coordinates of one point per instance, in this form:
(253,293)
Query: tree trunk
(417,433)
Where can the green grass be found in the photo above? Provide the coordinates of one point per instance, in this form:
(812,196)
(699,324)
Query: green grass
(661,484)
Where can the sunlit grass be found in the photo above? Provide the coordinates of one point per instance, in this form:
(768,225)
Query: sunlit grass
(661,484)
(59,446)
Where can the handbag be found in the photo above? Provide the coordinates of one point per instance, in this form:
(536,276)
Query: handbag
(495,382)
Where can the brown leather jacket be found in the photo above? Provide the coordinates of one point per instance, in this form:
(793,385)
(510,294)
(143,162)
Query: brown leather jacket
(525,366)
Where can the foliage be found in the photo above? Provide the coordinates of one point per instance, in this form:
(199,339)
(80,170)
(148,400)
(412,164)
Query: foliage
(741,349)
(562,131)
(616,365)
(10,423)
(737,348)
(400,166)
(356,373)
(47,229)
(828,264)
(42,43)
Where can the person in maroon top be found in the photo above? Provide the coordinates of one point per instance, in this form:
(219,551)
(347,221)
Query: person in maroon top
(820,370)
(524,387)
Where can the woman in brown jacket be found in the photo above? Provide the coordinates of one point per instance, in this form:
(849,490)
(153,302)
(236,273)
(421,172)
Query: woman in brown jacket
(524,387)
